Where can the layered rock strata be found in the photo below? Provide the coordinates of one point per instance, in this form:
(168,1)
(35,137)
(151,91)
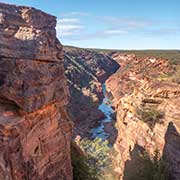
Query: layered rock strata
(35,131)
(146,99)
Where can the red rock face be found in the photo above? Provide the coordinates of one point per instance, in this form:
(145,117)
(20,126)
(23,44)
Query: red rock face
(138,93)
(35,132)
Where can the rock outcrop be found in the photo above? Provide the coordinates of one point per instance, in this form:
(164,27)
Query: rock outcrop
(86,70)
(35,131)
(146,99)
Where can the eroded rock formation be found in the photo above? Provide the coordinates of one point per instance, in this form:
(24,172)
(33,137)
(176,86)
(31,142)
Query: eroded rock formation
(86,70)
(146,98)
(34,129)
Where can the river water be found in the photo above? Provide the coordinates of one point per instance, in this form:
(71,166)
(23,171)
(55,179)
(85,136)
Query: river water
(106,108)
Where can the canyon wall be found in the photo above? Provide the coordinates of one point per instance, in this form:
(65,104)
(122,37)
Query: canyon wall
(86,70)
(35,131)
(146,96)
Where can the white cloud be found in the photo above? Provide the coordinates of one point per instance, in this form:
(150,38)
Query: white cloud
(69,20)
(115,32)
(74,14)
(68,27)
(126,22)
(75,26)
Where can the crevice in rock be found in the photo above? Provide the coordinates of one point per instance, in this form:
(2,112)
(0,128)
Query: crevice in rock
(38,60)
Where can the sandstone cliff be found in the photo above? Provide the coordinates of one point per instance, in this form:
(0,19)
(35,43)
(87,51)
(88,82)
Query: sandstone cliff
(86,70)
(34,129)
(146,96)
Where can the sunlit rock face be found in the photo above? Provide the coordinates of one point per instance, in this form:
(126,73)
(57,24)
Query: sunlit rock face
(35,131)
(148,112)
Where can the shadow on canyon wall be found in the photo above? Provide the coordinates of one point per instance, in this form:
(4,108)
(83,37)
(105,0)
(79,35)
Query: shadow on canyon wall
(171,152)
(142,167)
(86,71)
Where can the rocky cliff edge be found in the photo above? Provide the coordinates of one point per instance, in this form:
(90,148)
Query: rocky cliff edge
(34,129)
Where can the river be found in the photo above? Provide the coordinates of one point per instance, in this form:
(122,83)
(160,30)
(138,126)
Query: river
(106,108)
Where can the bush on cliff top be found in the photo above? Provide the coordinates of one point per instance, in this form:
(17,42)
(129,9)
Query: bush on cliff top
(150,116)
(172,77)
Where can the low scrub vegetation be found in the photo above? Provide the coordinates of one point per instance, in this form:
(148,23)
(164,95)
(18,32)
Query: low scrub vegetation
(82,169)
(150,116)
(153,168)
(176,75)
(96,163)
(143,167)
(172,77)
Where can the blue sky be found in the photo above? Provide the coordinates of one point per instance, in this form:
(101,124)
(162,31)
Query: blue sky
(114,24)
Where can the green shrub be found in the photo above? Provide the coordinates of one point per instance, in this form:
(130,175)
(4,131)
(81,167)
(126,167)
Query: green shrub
(164,77)
(82,169)
(150,116)
(172,77)
(96,149)
(153,169)
(176,76)
(96,164)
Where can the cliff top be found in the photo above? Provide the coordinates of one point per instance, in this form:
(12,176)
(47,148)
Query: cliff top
(26,16)
(28,33)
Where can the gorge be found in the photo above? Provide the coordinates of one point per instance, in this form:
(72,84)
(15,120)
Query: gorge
(56,98)
(106,108)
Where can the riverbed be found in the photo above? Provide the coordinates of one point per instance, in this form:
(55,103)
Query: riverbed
(106,108)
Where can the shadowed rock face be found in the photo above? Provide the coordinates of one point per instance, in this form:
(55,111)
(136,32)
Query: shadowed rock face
(148,110)
(34,129)
(86,70)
